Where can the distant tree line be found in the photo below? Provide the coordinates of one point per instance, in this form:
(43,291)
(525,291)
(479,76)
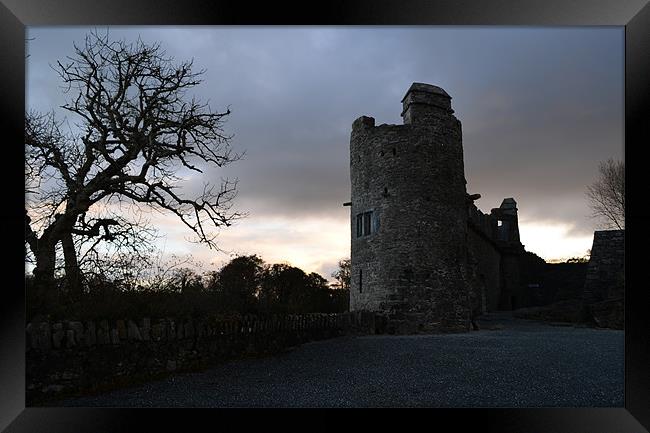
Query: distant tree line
(247,284)
(244,285)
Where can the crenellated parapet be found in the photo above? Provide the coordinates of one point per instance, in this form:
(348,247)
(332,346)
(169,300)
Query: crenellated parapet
(485,225)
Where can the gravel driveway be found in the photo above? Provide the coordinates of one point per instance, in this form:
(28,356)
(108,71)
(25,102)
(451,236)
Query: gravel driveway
(525,364)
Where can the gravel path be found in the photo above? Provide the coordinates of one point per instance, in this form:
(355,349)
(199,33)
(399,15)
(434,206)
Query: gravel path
(526,364)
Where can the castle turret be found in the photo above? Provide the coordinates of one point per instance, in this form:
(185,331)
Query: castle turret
(425,103)
(409,216)
(506,214)
(511,250)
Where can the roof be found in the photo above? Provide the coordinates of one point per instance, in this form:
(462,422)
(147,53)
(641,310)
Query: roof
(427,88)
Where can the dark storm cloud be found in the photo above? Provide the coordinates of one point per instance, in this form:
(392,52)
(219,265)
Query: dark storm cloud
(539,107)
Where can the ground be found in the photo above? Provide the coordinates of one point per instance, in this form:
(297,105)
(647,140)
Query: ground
(509,363)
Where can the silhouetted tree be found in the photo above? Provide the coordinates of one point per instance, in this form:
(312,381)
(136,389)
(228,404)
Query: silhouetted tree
(607,195)
(342,274)
(281,285)
(287,289)
(237,283)
(137,129)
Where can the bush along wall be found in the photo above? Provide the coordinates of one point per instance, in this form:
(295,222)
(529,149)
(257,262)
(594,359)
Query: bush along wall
(72,358)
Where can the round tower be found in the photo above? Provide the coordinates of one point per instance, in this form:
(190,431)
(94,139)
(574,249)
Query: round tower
(409,216)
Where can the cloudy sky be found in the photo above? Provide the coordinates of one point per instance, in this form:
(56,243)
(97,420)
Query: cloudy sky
(540,108)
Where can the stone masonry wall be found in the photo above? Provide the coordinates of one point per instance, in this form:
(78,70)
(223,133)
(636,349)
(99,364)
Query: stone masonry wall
(604,289)
(500,257)
(73,358)
(488,264)
(604,278)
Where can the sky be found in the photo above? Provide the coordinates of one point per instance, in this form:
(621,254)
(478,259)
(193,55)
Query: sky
(539,107)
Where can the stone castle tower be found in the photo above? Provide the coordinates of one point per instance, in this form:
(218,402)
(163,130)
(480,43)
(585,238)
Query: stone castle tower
(409,216)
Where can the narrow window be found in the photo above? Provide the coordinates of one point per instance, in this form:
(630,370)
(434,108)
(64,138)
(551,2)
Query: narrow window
(394,152)
(366,223)
(359,225)
(360,280)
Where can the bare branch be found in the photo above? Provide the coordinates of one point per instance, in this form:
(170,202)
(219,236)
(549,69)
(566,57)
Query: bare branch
(607,195)
(137,131)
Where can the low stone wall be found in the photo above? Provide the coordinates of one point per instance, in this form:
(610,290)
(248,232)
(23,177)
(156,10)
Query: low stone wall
(73,358)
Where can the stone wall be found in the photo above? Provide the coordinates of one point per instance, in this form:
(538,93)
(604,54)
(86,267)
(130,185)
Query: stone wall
(488,266)
(605,271)
(500,258)
(72,358)
(604,288)
(589,293)
(484,224)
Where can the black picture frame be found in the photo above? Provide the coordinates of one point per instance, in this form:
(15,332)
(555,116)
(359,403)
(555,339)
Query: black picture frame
(15,15)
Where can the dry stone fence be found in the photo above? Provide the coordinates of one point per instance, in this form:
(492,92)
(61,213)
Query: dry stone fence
(72,357)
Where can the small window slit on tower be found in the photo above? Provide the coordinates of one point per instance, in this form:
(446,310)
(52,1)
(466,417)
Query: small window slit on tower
(360,280)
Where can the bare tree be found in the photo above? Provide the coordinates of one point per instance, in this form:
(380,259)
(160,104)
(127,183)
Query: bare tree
(136,131)
(342,275)
(125,256)
(607,195)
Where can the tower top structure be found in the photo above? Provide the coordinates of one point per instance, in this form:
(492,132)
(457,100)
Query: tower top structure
(423,102)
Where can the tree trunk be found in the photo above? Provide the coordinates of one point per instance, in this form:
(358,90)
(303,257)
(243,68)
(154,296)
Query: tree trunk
(44,273)
(72,273)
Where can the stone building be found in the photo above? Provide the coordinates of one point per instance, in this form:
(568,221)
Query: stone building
(604,288)
(421,252)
